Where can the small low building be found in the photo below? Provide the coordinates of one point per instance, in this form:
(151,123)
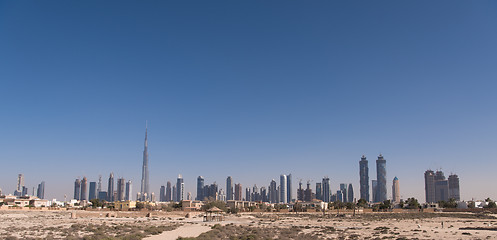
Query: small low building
(39,203)
(189,205)
(124,205)
(241,205)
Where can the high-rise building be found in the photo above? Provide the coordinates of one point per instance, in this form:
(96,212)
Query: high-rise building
(127,195)
(263,193)
(350,193)
(120,189)
(283,194)
(441,187)
(200,188)
(300,192)
(229,188)
(319,191)
(343,189)
(93,191)
(256,196)
(77,189)
(20,182)
(430,186)
(381,174)
(169,196)
(144,182)
(40,193)
(180,188)
(20,185)
(110,188)
(441,190)
(364,178)
(439,176)
(454,187)
(152,197)
(84,189)
(273,192)
(102,195)
(436,186)
(374,186)
(221,195)
(289,189)
(340,196)
(238,192)
(175,194)
(308,193)
(326,189)
(162,194)
(247,194)
(396,190)
(99,186)
(210,192)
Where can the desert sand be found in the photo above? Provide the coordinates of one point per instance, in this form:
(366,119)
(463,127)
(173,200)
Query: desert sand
(171,225)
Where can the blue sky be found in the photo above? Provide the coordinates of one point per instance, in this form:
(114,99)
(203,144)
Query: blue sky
(249,89)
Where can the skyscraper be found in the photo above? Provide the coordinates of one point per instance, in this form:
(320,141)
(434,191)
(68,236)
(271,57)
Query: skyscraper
(283,194)
(247,194)
(169,195)
(110,188)
(229,188)
(180,188)
(326,189)
(319,191)
(289,189)
(441,187)
(175,194)
(350,193)
(273,192)
(308,193)
(162,194)
(381,174)
(364,178)
(200,188)
(374,186)
(99,186)
(77,189)
(343,189)
(129,186)
(93,191)
(120,189)
(454,187)
(144,183)
(84,189)
(40,193)
(396,190)
(256,196)
(263,194)
(238,192)
(20,185)
(430,186)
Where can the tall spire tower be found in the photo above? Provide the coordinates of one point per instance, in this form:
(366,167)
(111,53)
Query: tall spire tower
(144,183)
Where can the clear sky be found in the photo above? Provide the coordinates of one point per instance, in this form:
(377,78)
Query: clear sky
(251,89)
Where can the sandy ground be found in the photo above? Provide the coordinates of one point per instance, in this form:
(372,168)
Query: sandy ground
(192,230)
(67,224)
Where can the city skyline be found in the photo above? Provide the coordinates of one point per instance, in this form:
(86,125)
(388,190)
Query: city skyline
(450,188)
(236,89)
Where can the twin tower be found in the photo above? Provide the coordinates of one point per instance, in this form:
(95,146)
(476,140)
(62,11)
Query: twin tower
(379,185)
